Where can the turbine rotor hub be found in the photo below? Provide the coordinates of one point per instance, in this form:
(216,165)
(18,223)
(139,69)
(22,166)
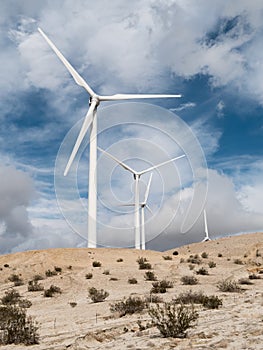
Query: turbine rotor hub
(94,98)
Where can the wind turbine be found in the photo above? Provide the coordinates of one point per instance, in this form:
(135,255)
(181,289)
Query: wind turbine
(207,238)
(136,176)
(143,205)
(90,120)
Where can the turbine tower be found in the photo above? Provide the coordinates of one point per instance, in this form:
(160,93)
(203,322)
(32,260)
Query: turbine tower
(90,120)
(136,176)
(143,205)
(207,238)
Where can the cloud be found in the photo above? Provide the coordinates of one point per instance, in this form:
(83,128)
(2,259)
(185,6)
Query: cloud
(220,109)
(136,45)
(16,192)
(183,106)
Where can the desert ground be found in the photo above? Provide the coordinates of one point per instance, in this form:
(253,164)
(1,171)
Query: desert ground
(70,320)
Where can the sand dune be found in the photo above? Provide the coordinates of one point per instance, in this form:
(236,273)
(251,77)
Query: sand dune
(236,325)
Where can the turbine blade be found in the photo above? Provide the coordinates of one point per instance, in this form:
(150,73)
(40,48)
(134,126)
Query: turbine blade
(161,164)
(148,189)
(78,79)
(125,166)
(87,121)
(117,97)
(150,210)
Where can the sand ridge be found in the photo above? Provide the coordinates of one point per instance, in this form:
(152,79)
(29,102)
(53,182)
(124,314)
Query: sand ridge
(236,325)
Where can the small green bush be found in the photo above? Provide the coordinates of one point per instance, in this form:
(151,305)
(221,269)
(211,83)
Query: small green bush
(106,272)
(157,288)
(219,255)
(73,304)
(166,284)
(96,295)
(194,259)
(211,264)
(209,302)
(113,279)
(89,276)
(57,269)
(238,262)
(173,320)
(161,286)
(128,306)
(49,293)
(16,279)
(37,278)
(204,255)
(212,302)
(132,280)
(167,257)
(202,271)
(175,252)
(34,286)
(150,276)
(119,260)
(228,286)
(11,297)
(143,264)
(24,303)
(96,264)
(189,280)
(16,327)
(50,273)
(189,298)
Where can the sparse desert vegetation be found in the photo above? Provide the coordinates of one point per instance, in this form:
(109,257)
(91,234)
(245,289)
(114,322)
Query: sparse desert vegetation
(87,311)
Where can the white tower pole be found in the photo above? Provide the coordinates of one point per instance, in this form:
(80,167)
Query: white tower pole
(142,227)
(92,195)
(137,213)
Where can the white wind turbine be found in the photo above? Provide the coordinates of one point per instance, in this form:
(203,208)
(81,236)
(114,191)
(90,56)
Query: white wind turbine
(143,205)
(91,121)
(207,238)
(136,176)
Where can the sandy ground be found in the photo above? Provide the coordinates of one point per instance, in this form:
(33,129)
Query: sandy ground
(237,325)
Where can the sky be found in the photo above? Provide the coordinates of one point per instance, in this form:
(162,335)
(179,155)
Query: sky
(210,52)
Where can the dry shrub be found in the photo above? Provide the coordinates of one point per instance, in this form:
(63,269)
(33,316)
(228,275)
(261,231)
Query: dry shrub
(228,286)
(49,293)
(144,264)
(16,327)
(150,276)
(173,320)
(189,280)
(97,296)
(128,306)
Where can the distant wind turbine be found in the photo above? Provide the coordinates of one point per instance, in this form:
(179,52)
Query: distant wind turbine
(136,176)
(143,205)
(91,121)
(207,238)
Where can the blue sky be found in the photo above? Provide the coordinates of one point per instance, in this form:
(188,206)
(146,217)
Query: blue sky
(210,52)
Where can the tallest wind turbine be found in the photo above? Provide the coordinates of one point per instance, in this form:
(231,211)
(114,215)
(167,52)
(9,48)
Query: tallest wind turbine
(90,120)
